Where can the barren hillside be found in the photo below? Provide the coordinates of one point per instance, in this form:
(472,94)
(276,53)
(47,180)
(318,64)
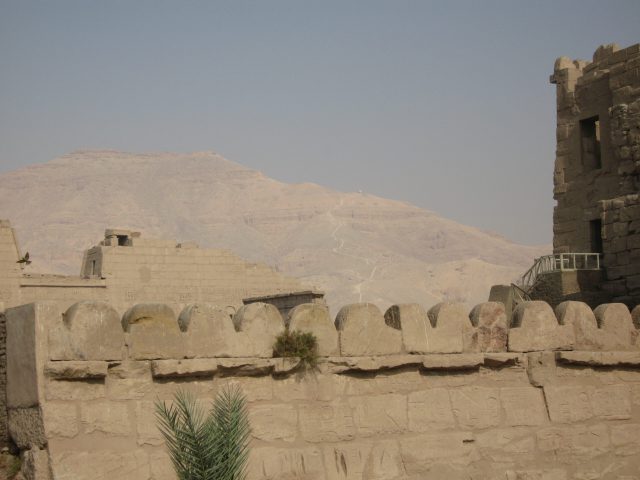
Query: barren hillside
(356,247)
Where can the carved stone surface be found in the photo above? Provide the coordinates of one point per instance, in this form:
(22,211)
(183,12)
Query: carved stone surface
(87,331)
(314,318)
(209,331)
(491,328)
(153,332)
(258,325)
(534,327)
(363,331)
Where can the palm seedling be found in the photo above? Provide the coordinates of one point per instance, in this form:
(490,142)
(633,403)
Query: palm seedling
(206,446)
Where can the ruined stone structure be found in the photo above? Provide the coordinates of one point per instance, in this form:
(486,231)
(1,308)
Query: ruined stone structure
(411,394)
(125,268)
(597,170)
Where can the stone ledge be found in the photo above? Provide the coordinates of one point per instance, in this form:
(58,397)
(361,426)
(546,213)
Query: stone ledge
(462,361)
(503,359)
(76,370)
(208,367)
(195,367)
(600,359)
(371,364)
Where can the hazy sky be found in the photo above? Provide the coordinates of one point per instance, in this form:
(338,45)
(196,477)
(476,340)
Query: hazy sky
(446,105)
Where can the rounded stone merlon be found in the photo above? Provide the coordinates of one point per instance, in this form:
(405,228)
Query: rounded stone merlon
(581,318)
(612,316)
(487,314)
(208,331)
(90,330)
(447,312)
(363,331)
(534,327)
(153,332)
(533,313)
(249,316)
(314,318)
(146,311)
(191,311)
(258,324)
(616,326)
(635,317)
(490,328)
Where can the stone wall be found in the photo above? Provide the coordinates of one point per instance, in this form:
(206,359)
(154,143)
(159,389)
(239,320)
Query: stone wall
(411,394)
(597,167)
(621,234)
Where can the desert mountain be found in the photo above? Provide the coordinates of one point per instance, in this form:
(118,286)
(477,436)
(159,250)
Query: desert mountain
(354,246)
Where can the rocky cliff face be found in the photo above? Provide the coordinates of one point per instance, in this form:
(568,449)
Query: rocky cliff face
(357,247)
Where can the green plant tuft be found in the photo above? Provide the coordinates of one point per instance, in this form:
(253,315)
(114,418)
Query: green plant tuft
(303,345)
(211,446)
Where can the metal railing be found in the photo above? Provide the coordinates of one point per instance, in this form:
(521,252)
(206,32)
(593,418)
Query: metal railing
(558,262)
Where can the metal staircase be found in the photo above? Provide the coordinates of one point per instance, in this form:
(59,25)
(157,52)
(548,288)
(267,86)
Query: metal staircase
(558,262)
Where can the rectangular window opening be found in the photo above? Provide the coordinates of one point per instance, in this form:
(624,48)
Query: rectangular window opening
(590,143)
(93,267)
(595,227)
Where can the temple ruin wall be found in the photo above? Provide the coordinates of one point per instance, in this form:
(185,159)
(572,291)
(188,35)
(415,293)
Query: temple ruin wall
(409,394)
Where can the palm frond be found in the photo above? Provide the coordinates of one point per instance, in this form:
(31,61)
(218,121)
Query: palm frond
(206,447)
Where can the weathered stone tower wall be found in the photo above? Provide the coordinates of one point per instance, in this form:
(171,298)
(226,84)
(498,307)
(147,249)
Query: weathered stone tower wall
(597,168)
(408,395)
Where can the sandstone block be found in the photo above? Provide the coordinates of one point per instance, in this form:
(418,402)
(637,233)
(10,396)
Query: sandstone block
(315,318)
(412,321)
(129,380)
(462,361)
(106,417)
(327,422)
(153,332)
(430,410)
(360,460)
(534,327)
(362,331)
(60,419)
(585,328)
(451,324)
(209,331)
(273,463)
(537,474)
(23,362)
(379,414)
(568,404)
(497,442)
(600,359)
(476,407)
(76,370)
(26,427)
(571,443)
(147,430)
(83,465)
(491,328)
(635,317)
(190,367)
(523,406)
(626,439)
(274,422)
(88,330)
(259,324)
(35,465)
(616,325)
(424,453)
(74,390)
